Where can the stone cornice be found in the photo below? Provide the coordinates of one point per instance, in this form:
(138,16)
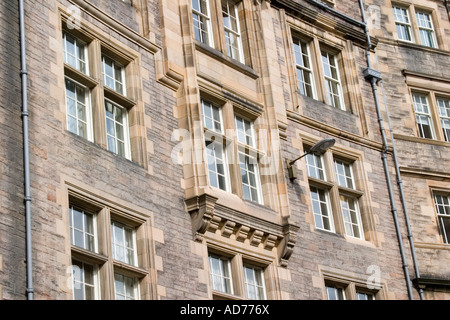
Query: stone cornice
(301,119)
(424,173)
(207,215)
(421,140)
(352,30)
(166,74)
(431,282)
(118,26)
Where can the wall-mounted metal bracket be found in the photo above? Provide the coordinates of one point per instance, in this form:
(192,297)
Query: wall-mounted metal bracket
(370,74)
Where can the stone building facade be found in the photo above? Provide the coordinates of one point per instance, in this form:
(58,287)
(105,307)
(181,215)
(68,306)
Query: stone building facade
(162,139)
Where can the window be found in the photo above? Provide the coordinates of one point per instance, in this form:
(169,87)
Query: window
(248,160)
(319,195)
(321,209)
(235,276)
(215,153)
(304,68)
(123,243)
(332,81)
(320,69)
(107,263)
(85,282)
(82,229)
(117,129)
(202,21)
(415,25)
(426,29)
(212,116)
(344,174)
(75,53)
(423,115)
(254,283)
(220,273)
(113,75)
(218,177)
(349,203)
(342,287)
(221,157)
(206,15)
(232,30)
(335,194)
(78,109)
(126,288)
(364,296)
(314,166)
(403,24)
(244,129)
(432,113)
(444,115)
(335,293)
(442,204)
(90,103)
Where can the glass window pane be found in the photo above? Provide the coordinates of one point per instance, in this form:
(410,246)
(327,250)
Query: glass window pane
(72,125)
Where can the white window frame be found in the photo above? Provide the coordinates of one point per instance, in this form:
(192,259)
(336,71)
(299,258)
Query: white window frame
(126,249)
(78,60)
(247,152)
(351,221)
(402,23)
(229,30)
(260,289)
(300,67)
(244,166)
(212,158)
(126,129)
(320,214)
(115,81)
(440,208)
(224,263)
(248,133)
(329,80)
(88,110)
(428,29)
(346,177)
(315,165)
(443,105)
(364,296)
(337,290)
(209,105)
(209,39)
(420,114)
(84,230)
(136,290)
(76,282)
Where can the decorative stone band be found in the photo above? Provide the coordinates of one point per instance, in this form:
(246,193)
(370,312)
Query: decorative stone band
(207,215)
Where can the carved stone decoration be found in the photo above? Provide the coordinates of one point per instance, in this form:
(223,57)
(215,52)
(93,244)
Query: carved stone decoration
(242,233)
(256,238)
(208,216)
(201,209)
(214,224)
(228,228)
(286,246)
(270,242)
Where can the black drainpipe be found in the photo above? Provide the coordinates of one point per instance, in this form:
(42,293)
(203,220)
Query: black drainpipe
(374,77)
(26,155)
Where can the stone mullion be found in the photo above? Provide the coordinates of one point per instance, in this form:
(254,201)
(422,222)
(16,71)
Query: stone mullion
(319,75)
(218,28)
(335,203)
(97,94)
(107,269)
(434,113)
